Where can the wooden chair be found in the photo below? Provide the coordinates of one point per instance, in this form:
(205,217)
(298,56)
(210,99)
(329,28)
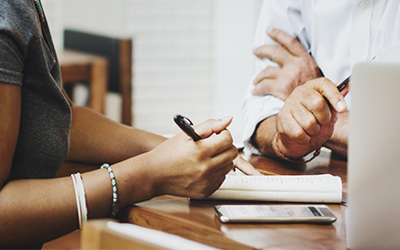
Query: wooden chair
(79,67)
(118,51)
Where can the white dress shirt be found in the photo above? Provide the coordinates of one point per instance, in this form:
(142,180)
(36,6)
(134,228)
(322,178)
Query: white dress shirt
(338,33)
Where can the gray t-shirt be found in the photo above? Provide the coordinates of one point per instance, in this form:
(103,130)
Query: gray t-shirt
(28,59)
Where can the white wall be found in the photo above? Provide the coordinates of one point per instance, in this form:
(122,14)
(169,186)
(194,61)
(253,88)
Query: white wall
(54,15)
(234,25)
(190,56)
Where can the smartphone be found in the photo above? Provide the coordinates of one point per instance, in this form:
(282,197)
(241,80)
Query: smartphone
(320,214)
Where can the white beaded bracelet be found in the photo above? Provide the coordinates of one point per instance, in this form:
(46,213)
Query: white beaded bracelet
(114,205)
(80,198)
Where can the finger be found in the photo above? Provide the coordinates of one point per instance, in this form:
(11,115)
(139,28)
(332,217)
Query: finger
(268,73)
(209,127)
(292,129)
(346,90)
(276,53)
(245,166)
(210,186)
(316,104)
(225,169)
(219,178)
(307,121)
(264,88)
(224,160)
(329,90)
(291,44)
(218,143)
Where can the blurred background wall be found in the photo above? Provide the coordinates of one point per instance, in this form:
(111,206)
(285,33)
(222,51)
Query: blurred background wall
(191,57)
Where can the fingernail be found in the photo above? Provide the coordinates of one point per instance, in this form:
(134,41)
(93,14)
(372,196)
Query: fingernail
(255,51)
(225,119)
(269,30)
(341,105)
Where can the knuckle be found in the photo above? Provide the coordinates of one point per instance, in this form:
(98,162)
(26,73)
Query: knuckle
(312,127)
(292,41)
(227,137)
(309,124)
(200,156)
(299,136)
(317,103)
(233,153)
(325,119)
(276,51)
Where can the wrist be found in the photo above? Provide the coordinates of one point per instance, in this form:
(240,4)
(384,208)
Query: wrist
(285,155)
(139,179)
(280,149)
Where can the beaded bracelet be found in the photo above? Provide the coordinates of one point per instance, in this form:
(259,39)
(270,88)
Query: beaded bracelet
(80,198)
(114,205)
(282,156)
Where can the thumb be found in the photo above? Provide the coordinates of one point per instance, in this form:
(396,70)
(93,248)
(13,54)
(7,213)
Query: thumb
(209,127)
(346,90)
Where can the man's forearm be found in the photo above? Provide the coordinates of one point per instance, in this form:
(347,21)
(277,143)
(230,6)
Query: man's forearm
(339,140)
(264,135)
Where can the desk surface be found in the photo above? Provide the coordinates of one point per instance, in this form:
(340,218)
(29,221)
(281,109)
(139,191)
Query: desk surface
(196,220)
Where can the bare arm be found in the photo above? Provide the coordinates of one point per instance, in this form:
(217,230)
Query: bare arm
(34,211)
(339,140)
(97,139)
(263,136)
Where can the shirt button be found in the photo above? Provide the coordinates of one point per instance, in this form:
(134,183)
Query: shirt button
(363,4)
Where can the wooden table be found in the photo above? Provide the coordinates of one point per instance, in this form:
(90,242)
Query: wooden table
(78,67)
(196,220)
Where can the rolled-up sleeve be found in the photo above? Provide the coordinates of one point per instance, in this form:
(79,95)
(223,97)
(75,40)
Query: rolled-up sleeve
(256,109)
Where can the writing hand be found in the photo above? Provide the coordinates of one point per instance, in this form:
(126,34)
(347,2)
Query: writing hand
(194,168)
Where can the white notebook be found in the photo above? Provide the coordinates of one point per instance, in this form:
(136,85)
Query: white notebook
(286,188)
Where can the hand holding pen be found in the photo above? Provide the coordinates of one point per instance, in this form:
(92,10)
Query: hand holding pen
(187,126)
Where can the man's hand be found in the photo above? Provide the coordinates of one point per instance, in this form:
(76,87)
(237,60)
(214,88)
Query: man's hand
(308,116)
(296,66)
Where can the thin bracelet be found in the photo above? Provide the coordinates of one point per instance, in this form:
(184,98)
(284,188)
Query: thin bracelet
(282,156)
(77,201)
(114,205)
(82,197)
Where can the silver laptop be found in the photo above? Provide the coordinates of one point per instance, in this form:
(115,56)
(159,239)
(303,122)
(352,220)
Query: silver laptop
(373,213)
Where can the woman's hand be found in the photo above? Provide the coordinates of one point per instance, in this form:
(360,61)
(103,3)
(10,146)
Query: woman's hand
(245,166)
(194,169)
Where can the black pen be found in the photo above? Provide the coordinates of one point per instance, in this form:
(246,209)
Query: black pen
(346,81)
(343,84)
(186,125)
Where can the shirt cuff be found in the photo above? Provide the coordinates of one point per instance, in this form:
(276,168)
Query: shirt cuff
(257,109)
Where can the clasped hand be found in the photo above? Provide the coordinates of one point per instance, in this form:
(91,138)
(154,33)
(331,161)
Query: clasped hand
(295,66)
(308,116)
